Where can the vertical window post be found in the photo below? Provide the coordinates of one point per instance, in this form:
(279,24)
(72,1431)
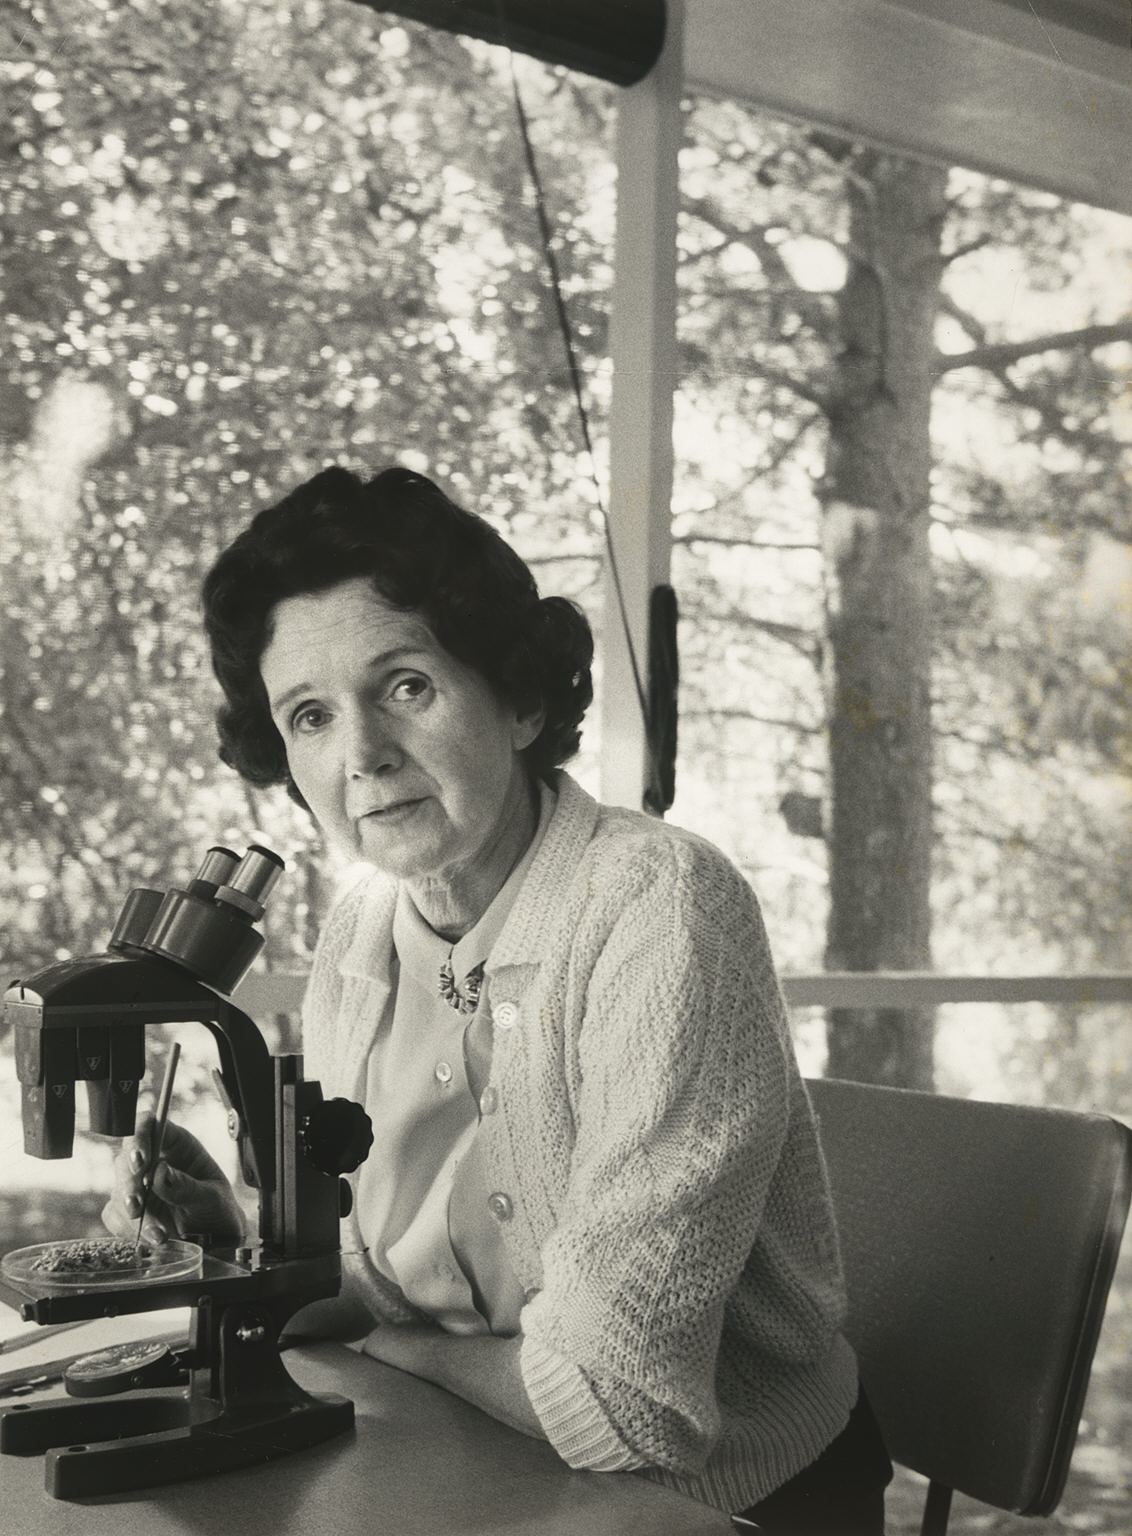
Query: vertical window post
(643,348)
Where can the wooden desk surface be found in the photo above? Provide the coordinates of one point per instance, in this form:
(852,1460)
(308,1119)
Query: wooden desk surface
(419,1462)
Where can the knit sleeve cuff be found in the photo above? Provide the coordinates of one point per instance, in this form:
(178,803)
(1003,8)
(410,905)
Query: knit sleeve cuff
(575,1422)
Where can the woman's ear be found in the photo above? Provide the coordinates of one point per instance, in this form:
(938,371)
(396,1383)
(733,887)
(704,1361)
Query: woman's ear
(526,728)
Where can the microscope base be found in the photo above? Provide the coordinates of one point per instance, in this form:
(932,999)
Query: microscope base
(136,1455)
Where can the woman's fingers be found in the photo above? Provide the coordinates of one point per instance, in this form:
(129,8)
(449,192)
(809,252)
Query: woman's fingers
(122,1212)
(181,1150)
(200,1205)
(193,1185)
(125,1203)
(188,1194)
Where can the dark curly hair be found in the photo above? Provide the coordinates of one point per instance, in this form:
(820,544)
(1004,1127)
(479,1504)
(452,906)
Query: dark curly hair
(422,553)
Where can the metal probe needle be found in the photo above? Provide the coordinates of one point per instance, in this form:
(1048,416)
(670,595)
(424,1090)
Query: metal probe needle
(158,1138)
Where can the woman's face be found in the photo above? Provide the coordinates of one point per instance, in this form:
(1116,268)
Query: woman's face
(402,753)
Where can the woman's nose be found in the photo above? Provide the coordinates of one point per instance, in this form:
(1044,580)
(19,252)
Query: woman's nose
(370,748)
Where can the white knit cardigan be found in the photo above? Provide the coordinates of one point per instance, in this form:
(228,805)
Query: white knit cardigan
(651,1153)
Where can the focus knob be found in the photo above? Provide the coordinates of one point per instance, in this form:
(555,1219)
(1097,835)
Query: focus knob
(337,1136)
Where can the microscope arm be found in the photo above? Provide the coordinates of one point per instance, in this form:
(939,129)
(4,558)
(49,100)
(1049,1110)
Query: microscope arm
(85,1019)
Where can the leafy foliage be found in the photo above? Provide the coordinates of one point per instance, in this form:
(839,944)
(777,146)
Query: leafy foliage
(238,245)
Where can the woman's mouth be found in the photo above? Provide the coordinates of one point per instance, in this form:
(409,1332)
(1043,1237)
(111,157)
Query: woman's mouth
(384,815)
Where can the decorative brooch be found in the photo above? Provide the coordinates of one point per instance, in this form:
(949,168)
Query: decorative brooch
(464,999)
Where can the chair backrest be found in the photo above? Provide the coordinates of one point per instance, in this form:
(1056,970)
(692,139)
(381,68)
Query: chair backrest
(979,1243)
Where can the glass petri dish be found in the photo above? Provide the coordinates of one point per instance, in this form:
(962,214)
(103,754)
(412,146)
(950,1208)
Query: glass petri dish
(87,1264)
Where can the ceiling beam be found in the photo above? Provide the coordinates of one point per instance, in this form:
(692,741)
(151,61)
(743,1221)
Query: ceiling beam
(616,40)
(1039,93)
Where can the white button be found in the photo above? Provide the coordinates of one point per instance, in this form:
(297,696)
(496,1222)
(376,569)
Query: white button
(500,1206)
(443,1072)
(489,1102)
(506,1016)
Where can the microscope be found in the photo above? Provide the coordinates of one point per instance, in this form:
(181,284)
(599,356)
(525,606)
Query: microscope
(227,1400)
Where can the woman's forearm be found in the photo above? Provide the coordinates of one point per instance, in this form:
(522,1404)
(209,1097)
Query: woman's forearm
(482,1369)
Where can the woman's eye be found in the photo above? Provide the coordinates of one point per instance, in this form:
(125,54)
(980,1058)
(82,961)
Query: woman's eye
(311,717)
(407,688)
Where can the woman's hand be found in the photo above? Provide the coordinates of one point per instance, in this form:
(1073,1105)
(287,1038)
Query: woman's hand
(190,1192)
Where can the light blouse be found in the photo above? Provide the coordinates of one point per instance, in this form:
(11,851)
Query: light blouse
(423,1192)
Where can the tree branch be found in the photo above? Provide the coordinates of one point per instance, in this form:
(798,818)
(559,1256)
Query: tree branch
(748,717)
(576,559)
(809,307)
(975,330)
(1024,395)
(967,248)
(1001,354)
(804,641)
(782,379)
(738,542)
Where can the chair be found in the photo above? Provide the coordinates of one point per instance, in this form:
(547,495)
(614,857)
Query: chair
(979,1242)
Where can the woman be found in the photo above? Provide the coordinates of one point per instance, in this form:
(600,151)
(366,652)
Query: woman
(595,1206)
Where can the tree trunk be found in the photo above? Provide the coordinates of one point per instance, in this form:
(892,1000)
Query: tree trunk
(875,500)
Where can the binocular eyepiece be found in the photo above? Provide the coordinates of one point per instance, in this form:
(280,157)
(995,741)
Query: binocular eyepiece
(207,927)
